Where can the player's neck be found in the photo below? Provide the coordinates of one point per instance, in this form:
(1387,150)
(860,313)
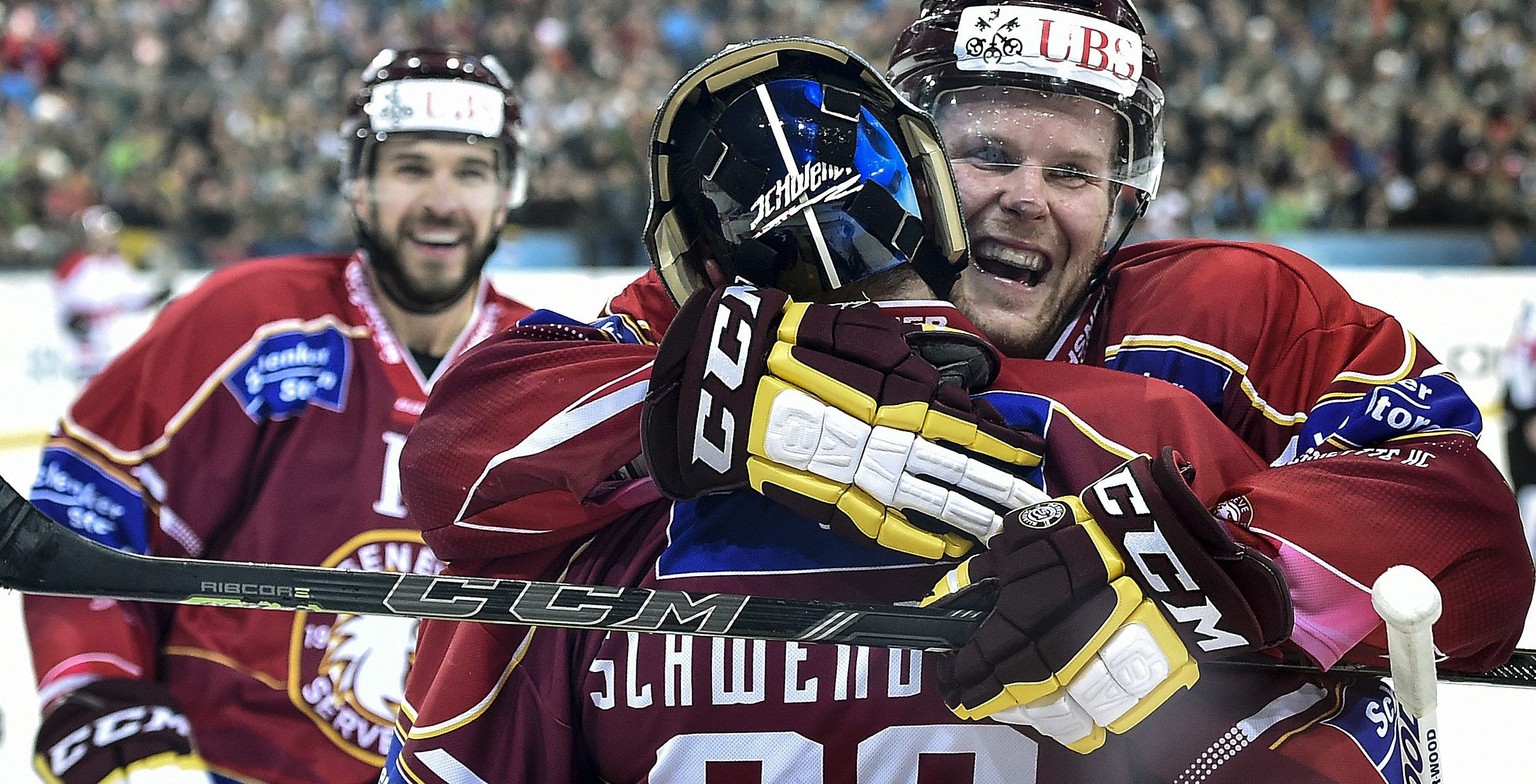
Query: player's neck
(431,334)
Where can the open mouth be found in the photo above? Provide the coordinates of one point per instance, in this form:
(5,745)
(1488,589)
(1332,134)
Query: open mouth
(1028,267)
(444,238)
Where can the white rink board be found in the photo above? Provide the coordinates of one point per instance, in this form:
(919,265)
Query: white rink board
(1465,316)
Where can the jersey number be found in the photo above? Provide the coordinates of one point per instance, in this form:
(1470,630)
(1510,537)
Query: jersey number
(922,754)
(389,503)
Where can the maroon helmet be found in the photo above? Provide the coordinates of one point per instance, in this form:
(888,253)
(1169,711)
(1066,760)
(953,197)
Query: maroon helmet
(439,92)
(1092,49)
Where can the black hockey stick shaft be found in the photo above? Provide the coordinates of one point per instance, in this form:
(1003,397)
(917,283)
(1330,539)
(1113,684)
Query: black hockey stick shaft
(40,556)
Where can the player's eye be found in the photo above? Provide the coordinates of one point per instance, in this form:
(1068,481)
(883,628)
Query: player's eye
(1071,175)
(984,154)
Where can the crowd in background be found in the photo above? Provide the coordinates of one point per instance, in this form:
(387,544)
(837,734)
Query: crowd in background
(211,124)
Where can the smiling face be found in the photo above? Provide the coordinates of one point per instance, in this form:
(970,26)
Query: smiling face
(434,207)
(1032,171)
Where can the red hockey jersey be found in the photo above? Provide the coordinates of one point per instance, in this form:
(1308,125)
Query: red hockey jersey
(1374,442)
(261,418)
(520,468)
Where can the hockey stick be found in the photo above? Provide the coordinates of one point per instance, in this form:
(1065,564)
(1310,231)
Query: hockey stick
(1410,604)
(40,556)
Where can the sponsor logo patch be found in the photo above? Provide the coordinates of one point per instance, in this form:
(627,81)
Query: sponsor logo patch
(91,502)
(1070,46)
(437,105)
(292,370)
(1043,516)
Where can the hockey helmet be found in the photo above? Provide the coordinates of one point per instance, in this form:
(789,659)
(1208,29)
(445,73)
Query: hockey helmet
(100,221)
(438,92)
(1094,49)
(792,163)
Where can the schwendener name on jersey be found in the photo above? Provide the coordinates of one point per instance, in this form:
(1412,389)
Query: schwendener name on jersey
(670,670)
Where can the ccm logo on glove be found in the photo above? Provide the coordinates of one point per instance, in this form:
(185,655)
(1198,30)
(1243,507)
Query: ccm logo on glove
(714,435)
(1080,643)
(113,728)
(857,422)
(1124,507)
(118,730)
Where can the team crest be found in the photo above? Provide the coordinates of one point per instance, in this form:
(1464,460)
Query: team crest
(347,672)
(1236,510)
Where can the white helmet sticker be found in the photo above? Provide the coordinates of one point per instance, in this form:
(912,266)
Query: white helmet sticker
(1025,39)
(455,105)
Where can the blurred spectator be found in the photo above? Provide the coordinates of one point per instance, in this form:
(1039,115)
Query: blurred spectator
(210,121)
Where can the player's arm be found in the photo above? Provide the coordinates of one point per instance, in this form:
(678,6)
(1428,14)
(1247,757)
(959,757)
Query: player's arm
(135,466)
(1387,454)
(843,414)
(1103,606)
(530,441)
(1374,443)
(1431,499)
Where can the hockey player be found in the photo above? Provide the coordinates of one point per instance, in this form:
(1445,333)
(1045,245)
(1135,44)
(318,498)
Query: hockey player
(1049,111)
(102,299)
(552,490)
(261,418)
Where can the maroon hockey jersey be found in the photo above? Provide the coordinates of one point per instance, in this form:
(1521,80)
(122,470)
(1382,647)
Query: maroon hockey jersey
(520,468)
(261,418)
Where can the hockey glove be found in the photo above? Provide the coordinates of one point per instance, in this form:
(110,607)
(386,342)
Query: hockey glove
(832,412)
(116,731)
(1105,603)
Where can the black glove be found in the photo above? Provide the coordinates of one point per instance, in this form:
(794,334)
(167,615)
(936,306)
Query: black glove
(118,730)
(1105,603)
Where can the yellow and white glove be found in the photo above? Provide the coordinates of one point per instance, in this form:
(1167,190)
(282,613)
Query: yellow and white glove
(833,412)
(1105,603)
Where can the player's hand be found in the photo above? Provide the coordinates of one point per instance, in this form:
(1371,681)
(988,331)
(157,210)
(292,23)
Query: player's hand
(830,411)
(118,730)
(1105,603)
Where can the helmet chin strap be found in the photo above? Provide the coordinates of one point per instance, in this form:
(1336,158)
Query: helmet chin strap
(1101,271)
(1100,274)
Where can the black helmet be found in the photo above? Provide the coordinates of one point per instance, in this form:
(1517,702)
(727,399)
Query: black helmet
(1092,49)
(439,92)
(792,163)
